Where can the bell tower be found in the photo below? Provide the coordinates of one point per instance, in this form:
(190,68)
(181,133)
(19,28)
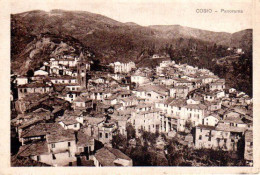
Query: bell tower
(82,71)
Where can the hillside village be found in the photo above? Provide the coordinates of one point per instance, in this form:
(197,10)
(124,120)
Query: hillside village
(67,114)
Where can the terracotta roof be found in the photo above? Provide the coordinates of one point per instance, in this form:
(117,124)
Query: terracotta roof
(94,120)
(61,135)
(223,127)
(178,103)
(33,85)
(33,149)
(149,88)
(197,98)
(127,99)
(17,161)
(181,87)
(196,106)
(73,113)
(53,131)
(39,129)
(68,120)
(206,127)
(168,100)
(106,156)
(214,115)
(144,105)
(233,120)
(29,123)
(84,139)
(118,154)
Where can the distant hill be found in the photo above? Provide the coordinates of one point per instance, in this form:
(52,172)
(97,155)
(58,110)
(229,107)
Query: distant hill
(177,31)
(242,39)
(108,39)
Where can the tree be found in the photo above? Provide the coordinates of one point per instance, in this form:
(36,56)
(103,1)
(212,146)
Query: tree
(130,131)
(188,125)
(30,73)
(119,141)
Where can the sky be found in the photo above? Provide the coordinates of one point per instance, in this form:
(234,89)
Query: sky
(156,12)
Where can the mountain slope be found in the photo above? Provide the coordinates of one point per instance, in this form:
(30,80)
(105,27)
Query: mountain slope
(108,37)
(242,39)
(177,31)
(110,40)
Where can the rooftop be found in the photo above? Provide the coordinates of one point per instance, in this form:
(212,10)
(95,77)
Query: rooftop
(206,127)
(60,135)
(106,156)
(223,127)
(33,149)
(196,106)
(33,85)
(94,120)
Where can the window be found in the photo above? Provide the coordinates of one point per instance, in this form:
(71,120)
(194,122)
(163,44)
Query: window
(200,137)
(53,157)
(75,125)
(38,158)
(100,135)
(68,144)
(53,145)
(106,135)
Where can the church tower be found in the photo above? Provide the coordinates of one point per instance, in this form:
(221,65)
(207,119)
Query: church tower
(82,71)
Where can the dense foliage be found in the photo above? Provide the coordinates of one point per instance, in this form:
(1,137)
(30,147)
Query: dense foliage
(146,153)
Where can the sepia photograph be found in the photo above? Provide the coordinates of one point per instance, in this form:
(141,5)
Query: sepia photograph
(120,83)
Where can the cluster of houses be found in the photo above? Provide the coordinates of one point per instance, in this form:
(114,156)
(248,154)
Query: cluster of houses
(68,114)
